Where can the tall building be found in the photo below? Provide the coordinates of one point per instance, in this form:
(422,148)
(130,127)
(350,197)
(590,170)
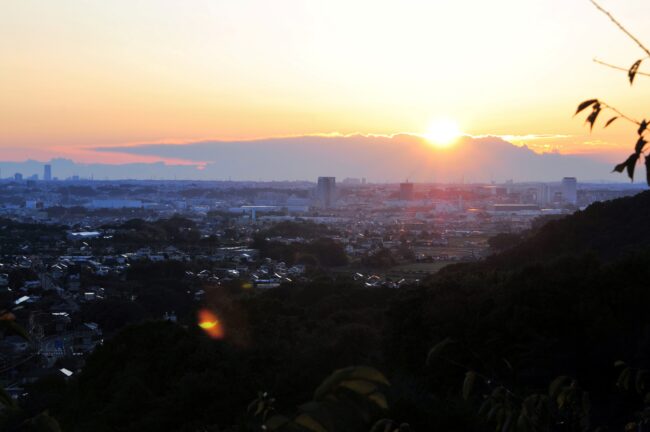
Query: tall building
(406,191)
(326,192)
(570,190)
(543,194)
(18,177)
(47,172)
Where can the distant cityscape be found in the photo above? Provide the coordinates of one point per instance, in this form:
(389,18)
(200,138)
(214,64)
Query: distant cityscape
(68,244)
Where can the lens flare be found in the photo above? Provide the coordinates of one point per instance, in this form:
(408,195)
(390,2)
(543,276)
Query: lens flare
(210,324)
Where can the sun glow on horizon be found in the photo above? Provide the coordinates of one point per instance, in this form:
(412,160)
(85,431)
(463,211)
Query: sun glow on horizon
(443,132)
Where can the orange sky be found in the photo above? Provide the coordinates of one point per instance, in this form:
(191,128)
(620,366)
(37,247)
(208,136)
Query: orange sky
(78,74)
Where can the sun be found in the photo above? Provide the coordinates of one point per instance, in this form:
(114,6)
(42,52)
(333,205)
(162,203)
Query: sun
(443,132)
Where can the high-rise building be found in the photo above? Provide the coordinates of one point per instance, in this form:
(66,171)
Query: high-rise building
(570,190)
(406,191)
(326,192)
(47,172)
(18,177)
(543,194)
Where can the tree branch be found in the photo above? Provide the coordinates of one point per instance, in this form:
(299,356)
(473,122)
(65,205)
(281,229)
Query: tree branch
(619,67)
(620,26)
(620,114)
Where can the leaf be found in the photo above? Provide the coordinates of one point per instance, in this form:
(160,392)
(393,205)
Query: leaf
(355,372)
(629,164)
(485,405)
(523,423)
(632,165)
(586,104)
(556,385)
(309,423)
(380,400)
(493,411)
(639,145)
(276,422)
(359,386)
(633,70)
(260,407)
(610,121)
(468,384)
(591,119)
(647,169)
(623,381)
(506,425)
(642,127)
(437,349)
(619,363)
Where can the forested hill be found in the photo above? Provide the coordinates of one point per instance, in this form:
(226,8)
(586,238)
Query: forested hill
(608,230)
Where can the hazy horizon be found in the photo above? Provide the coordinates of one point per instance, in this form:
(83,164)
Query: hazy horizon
(471,159)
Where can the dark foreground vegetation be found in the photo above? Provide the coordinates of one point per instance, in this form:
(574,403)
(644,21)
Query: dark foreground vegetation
(553,334)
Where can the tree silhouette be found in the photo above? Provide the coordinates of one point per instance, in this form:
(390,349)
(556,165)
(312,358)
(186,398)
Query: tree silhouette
(597,106)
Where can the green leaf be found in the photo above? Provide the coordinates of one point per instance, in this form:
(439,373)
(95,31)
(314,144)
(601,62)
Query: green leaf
(586,104)
(619,363)
(332,382)
(495,408)
(485,406)
(508,422)
(360,386)
(623,380)
(523,423)
(556,385)
(276,422)
(437,349)
(468,384)
(308,422)
(379,399)
(633,70)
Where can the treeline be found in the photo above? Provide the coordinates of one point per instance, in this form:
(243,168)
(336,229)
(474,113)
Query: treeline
(320,250)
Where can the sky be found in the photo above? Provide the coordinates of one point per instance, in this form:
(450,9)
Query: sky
(81,74)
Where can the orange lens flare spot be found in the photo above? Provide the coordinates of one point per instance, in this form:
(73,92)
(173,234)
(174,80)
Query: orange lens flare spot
(210,323)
